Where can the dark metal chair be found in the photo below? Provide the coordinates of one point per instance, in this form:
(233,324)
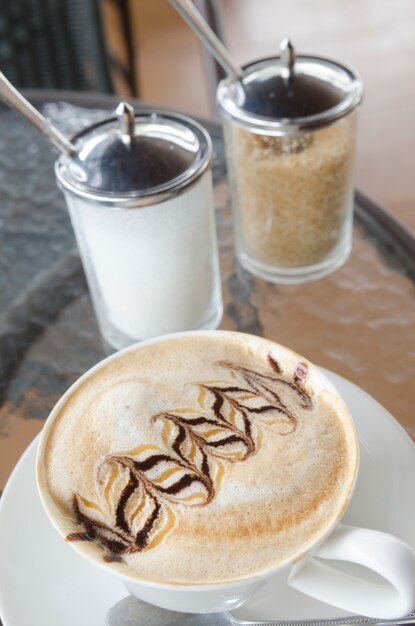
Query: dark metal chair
(54,44)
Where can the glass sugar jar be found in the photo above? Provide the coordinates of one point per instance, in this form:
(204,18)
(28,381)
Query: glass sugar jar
(139,193)
(290,138)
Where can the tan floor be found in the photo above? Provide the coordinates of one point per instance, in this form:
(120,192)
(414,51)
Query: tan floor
(375,36)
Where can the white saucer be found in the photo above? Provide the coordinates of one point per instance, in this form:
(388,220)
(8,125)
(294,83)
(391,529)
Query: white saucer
(44,582)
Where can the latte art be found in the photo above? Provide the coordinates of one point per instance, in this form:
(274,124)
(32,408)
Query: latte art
(197,458)
(136,489)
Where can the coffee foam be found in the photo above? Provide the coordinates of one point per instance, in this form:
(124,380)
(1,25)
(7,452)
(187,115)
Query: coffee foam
(283,476)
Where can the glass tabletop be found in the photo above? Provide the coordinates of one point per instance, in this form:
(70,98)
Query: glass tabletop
(358,322)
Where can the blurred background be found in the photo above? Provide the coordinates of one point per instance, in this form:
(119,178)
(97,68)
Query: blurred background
(144,49)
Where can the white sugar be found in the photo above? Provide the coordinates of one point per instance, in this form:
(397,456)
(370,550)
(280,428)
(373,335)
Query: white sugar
(151,270)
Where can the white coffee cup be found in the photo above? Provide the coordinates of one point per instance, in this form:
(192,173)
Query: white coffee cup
(382,553)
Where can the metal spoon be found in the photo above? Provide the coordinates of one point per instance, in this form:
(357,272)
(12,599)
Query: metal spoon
(133,612)
(196,22)
(16,101)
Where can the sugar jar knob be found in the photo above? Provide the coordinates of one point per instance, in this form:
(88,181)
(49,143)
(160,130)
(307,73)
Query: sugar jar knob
(287,55)
(125,114)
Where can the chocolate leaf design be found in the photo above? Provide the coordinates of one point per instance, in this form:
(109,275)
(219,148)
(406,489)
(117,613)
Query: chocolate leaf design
(138,489)
(195,437)
(135,492)
(266,390)
(165,476)
(96,527)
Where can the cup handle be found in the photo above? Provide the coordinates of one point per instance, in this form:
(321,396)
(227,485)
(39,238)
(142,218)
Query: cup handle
(384,554)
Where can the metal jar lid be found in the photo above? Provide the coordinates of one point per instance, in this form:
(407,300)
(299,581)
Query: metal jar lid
(135,159)
(287,94)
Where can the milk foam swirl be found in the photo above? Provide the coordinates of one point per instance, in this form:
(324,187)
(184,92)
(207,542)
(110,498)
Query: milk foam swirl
(138,491)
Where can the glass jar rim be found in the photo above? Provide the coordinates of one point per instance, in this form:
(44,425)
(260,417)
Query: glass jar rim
(145,197)
(229,92)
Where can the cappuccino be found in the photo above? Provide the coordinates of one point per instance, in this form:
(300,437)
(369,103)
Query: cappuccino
(198,459)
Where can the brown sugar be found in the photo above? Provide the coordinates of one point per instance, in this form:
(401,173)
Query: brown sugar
(294,194)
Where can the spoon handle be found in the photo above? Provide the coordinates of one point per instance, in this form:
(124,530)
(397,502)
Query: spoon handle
(16,101)
(339,621)
(196,22)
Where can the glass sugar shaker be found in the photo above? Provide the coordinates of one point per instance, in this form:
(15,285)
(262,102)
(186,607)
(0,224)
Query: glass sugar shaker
(140,198)
(290,138)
